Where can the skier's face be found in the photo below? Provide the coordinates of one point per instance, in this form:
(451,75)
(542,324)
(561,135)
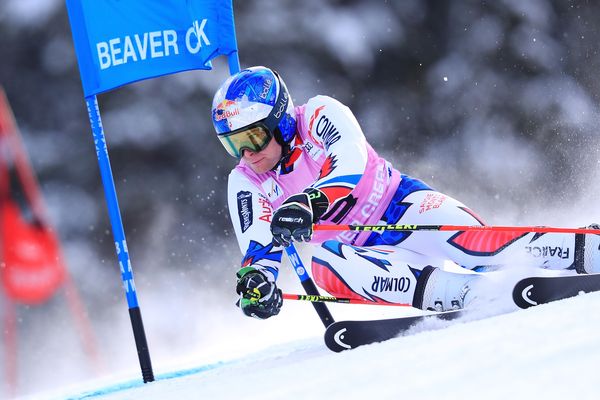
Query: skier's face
(264,160)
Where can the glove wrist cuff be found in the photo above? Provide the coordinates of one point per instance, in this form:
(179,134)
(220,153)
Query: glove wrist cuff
(318,202)
(245,271)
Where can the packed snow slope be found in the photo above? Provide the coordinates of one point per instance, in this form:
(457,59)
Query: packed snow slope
(547,352)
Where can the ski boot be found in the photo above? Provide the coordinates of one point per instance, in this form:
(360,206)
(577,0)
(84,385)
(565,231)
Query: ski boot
(439,290)
(587,252)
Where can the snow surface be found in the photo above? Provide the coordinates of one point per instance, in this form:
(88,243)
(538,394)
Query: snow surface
(547,352)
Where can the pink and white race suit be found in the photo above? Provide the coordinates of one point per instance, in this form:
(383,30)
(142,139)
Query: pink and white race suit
(331,153)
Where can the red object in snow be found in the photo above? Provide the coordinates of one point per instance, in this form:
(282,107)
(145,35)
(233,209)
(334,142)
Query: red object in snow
(31,266)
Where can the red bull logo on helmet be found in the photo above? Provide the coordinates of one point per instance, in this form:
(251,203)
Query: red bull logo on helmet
(225,110)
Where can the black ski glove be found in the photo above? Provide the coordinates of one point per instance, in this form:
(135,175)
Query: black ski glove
(294,219)
(259,298)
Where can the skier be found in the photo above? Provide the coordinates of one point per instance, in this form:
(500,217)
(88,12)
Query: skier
(312,164)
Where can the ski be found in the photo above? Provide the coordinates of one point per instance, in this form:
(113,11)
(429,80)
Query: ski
(532,291)
(528,292)
(346,335)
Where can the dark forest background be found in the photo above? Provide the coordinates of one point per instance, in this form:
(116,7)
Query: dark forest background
(493,102)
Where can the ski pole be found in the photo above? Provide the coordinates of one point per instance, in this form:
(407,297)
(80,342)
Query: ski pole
(468,228)
(308,285)
(341,300)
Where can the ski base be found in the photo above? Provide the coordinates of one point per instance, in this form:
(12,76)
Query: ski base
(346,335)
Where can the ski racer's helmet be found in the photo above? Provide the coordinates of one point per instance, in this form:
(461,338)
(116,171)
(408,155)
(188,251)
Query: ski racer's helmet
(252,107)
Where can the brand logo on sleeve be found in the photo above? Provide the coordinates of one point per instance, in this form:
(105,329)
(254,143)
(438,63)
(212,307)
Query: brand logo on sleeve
(244,203)
(313,150)
(272,189)
(266,211)
(327,131)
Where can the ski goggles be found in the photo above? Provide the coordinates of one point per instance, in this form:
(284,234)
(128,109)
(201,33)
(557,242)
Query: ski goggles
(255,138)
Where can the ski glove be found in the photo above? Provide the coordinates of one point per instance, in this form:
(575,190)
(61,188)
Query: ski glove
(294,219)
(259,298)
